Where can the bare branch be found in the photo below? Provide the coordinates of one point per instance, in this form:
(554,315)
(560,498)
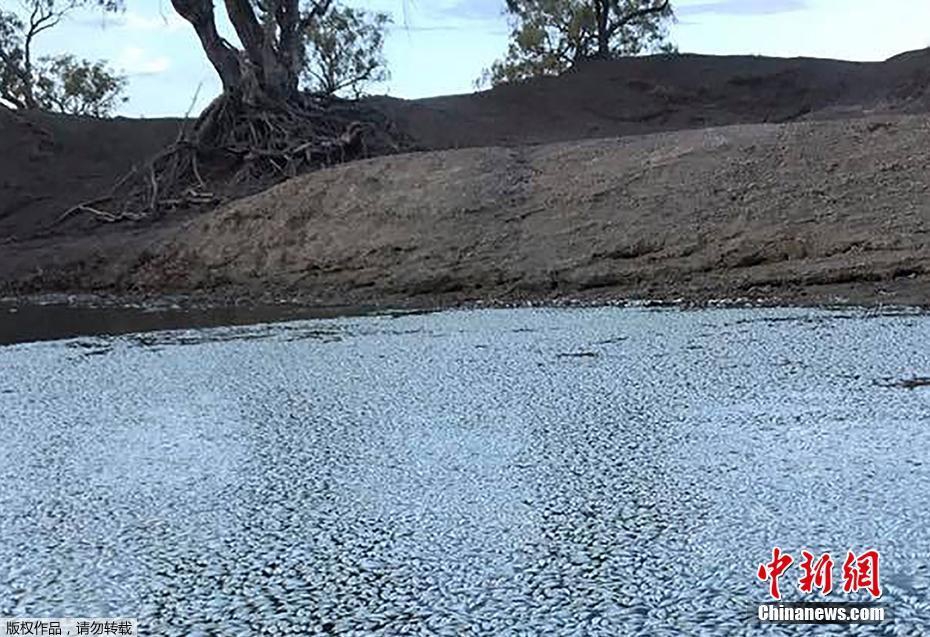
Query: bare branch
(636,15)
(319,9)
(222,55)
(247,28)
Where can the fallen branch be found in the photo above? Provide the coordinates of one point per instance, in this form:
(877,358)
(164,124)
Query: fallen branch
(103,215)
(235,149)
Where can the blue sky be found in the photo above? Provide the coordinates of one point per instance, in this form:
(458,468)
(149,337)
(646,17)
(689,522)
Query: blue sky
(439,47)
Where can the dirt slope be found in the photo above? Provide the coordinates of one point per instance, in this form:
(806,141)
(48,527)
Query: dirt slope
(49,163)
(633,96)
(805,210)
(823,206)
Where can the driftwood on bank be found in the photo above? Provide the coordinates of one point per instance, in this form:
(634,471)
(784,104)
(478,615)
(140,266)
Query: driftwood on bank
(235,149)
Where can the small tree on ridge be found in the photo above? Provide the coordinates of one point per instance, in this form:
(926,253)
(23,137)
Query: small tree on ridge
(550,36)
(62,83)
(345,52)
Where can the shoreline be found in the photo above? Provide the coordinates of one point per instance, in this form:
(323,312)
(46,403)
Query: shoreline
(49,317)
(800,214)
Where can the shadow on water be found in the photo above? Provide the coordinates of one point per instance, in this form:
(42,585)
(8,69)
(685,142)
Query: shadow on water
(28,323)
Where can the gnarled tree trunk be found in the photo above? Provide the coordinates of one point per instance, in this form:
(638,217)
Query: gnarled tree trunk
(260,130)
(612,15)
(266,69)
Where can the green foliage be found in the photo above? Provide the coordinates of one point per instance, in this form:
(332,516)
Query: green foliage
(60,83)
(11,60)
(79,87)
(344,51)
(550,36)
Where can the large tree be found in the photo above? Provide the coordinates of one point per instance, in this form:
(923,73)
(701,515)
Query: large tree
(262,118)
(550,36)
(266,69)
(262,128)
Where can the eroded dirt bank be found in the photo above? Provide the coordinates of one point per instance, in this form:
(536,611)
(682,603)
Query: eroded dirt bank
(816,211)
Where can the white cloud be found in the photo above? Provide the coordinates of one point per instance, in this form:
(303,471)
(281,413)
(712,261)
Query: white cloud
(741,7)
(133,21)
(168,21)
(134,61)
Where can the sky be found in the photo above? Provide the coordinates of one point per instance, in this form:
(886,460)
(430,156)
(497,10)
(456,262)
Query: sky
(439,47)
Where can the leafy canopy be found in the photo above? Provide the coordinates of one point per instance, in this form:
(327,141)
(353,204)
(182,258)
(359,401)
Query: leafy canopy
(80,87)
(61,83)
(550,36)
(345,51)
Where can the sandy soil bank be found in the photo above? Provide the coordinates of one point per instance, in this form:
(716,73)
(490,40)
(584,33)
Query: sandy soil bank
(833,211)
(817,193)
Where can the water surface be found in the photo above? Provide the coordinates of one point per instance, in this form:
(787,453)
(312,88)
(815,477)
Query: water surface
(593,472)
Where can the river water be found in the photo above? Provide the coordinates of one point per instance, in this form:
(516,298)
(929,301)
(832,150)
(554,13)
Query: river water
(609,471)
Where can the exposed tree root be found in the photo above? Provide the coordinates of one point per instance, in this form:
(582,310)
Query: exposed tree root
(235,149)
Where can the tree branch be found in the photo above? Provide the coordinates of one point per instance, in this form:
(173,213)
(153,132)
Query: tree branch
(13,66)
(223,57)
(319,9)
(247,28)
(289,20)
(636,15)
(6,96)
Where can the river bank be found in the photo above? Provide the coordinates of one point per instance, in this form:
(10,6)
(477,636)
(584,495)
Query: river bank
(801,213)
(811,197)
